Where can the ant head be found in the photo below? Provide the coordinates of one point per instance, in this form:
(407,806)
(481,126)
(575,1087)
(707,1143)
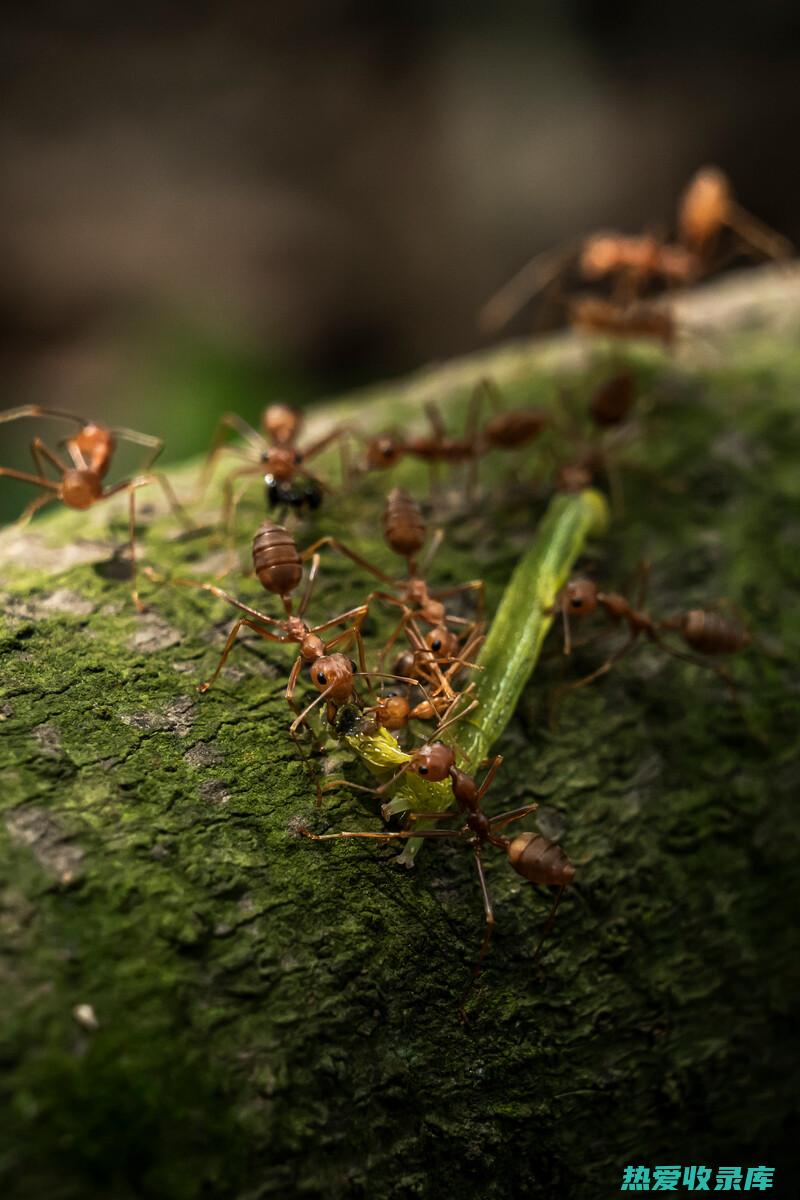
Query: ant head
(580,597)
(312,647)
(704,207)
(80,489)
(441,641)
(334,671)
(433,761)
(282,423)
(383,451)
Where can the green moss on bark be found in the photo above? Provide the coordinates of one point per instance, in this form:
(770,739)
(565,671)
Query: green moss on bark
(278,1018)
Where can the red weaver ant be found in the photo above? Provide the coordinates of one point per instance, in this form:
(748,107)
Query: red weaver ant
(80,484)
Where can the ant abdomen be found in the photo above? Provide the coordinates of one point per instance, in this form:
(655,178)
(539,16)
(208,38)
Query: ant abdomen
(403,523)
(539,860)
(275,559)
(613,400)
(711,633)
(507,431)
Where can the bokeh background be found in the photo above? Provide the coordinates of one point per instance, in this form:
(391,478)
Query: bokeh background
(213,206)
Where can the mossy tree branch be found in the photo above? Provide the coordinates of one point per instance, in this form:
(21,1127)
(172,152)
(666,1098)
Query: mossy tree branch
(277,1018)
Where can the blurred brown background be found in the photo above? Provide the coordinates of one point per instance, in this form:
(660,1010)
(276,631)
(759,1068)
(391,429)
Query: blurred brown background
(215,205)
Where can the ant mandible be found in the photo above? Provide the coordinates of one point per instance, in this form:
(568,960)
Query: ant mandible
(91,450)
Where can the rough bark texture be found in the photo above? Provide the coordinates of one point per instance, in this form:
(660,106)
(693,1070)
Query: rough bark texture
(279,1018)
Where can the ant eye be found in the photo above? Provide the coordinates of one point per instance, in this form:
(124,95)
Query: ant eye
(577,602)
(387,451)
(321,677)
(437,645)
(298,458)
(423,770)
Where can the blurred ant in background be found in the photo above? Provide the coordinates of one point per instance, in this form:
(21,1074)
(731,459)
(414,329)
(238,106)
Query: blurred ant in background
(80,483)
(276,455)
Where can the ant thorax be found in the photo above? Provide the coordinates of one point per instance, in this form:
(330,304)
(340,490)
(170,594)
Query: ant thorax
(281,463)
(417,594)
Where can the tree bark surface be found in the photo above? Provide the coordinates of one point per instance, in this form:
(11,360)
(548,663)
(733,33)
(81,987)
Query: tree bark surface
(265,1016)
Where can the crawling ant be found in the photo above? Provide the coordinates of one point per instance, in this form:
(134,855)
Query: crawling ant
(706,208)
(632,260)
(703,631)
(279,568)
(531,855)
(610,405)
(81,484)
(276,455)
(385,450)
(405,532)
(505,430)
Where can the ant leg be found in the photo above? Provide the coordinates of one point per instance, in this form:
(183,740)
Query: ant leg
(300,718)
(335,544)
(472,433)
(173,501)
(474,585)
(26,477)
(488,778)
(31,509)
(548,925)
(132,540)
(155,444)
(698,661)
(292,684)
(270,637)
(359,613)
(322,443)
(603,669)
(238,425)
(387,836)
(487,934)
(528,281)
(393,636)
(229,502)
(503,819)
(40,454)
(36,410)
(756,234)
(431,551)
(642,582)
(447,720)
(310,584)
(223,595)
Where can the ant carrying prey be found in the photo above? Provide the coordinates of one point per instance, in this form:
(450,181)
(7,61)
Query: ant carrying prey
(80,484)
(531,855)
